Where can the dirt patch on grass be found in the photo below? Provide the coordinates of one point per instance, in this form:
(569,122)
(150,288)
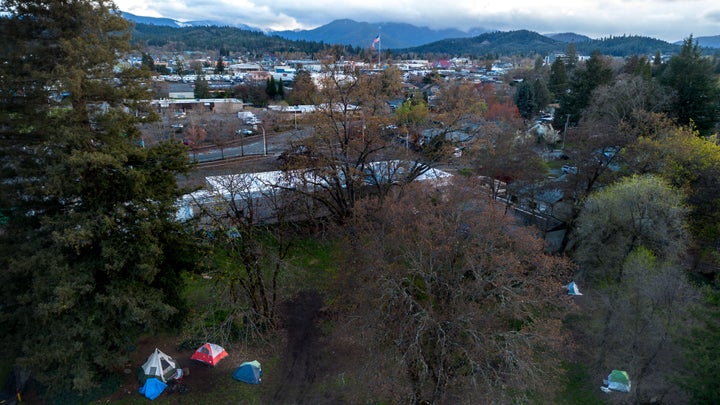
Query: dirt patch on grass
(306,362)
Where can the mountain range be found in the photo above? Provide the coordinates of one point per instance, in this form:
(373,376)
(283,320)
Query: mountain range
(341,32)
(392,35)
(401,36)
(169,22)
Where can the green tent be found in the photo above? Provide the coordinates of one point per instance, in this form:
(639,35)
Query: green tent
(618,381)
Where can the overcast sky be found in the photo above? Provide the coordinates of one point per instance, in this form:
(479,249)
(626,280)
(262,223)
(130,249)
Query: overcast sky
(670,20)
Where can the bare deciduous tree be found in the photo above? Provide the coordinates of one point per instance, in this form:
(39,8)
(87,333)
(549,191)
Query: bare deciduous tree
(464,295)
(336,161)
(249,216)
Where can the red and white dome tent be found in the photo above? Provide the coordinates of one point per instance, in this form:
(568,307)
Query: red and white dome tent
(209,353)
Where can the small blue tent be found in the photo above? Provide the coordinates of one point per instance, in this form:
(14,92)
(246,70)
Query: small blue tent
(153,388)
(573,289)
(249,372)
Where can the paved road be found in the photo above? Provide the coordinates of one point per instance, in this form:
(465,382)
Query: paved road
(272,144)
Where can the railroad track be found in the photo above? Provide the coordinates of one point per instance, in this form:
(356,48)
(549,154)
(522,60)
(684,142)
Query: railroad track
(231,161)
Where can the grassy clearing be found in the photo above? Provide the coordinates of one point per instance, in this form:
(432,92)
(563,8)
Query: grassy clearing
(315,262)
(579,389)
(312,263)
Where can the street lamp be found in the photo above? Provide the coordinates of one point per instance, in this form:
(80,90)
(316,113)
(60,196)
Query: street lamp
(264,140)
(567,121)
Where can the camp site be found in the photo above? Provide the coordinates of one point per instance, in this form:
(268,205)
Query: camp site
(503,218)
(207,375)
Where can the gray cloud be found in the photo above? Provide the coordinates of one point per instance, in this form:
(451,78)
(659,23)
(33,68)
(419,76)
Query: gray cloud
(670,20)
(713,16)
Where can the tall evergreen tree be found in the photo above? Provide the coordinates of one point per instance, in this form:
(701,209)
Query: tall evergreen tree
(697,92)
(657,59)
(219,65)
(179,67)
(271,87)
(638,66)
(525,99)
(303,89)
(542,95)
(558,82)
(202,88)
(594,73)
(281,89)
(147,62)
(571,56)
(89,249)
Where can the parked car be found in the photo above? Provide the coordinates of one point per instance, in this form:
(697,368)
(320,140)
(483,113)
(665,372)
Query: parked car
(244,132)
(569,169)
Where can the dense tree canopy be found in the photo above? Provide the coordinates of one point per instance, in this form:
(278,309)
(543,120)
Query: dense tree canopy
(697,93)
(90,252)
(558,83)
(584,79)
(462,295)
(637,212)
(701,354)
(303,89)
(690,163)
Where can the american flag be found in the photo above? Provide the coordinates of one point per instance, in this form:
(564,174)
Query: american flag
(375,41)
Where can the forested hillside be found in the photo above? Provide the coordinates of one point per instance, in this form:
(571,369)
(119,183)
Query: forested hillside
(213,38)
(512,43)
(528,43)
(360,34)
(627,46)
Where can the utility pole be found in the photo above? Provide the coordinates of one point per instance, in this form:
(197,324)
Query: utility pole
(567,120)
(264,141)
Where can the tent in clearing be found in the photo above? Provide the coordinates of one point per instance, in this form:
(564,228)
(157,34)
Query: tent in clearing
(573,289)
(153,388)
(618,381)
(249,372)
(159,365)
(209,353)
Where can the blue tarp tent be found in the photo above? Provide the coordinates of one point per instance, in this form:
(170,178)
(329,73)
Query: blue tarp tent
(153,388)
(249,372)
(573,289)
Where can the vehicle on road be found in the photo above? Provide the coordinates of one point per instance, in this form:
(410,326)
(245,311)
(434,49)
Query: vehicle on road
(568,169)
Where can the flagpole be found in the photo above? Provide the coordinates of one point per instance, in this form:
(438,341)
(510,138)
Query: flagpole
(379,46)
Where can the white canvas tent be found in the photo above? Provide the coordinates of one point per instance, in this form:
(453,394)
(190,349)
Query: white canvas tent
(159,365)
